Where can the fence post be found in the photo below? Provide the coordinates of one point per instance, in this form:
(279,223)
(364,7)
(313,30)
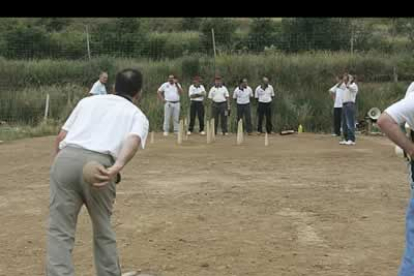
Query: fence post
(214,49)
(47,106)
(87,43)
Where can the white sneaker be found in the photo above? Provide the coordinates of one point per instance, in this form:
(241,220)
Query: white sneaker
(202,133)
(343,142)
(350,143)
(188,132)
(334,135)
(165,133)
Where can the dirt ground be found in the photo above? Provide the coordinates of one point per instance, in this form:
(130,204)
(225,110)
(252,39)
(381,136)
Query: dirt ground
(301,206)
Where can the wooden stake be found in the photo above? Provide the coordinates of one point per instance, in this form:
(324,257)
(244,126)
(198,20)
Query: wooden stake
(185,129)
(213,134)
(180,133)
(240,132)
(266,140)
(47,106)
(152,137)
(208,133)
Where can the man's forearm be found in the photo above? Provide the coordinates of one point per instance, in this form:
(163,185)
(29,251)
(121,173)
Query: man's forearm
(128,150)
(160,96)
(394,133)
(61,136)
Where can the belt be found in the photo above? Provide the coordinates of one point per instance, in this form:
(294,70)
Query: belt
(173,101)
(219,102)
(348,103)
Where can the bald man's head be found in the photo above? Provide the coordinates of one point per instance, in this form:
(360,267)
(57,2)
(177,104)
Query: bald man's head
(128,82)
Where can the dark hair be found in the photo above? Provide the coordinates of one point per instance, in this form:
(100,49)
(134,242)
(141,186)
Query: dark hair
(128,82)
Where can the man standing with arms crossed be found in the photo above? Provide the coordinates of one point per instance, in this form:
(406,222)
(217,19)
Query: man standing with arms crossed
(169,93)
(107,129)
(242,95)
(197,92)
(98,87)
(221,104)
(264,94)
(336,92)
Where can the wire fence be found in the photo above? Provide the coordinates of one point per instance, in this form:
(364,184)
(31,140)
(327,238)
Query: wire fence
(62,66)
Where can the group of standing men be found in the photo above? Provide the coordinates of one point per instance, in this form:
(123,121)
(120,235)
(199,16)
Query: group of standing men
(344,93)
(170,91)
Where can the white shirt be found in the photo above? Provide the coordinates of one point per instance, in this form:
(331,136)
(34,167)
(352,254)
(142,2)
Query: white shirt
(170,92)
(410,89)
(98,88)
(101,124)
(264,95)
(243,95)
(349,93)
(403,111)
(196,90)
(338,91)
(218,94)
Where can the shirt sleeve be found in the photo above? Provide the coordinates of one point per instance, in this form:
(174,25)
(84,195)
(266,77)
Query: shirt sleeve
(333,89)
(191,90)
(402,111)
(162,88)
(94,89)
(140,128)
(72,117)
(234,94)
(251,92)
(256,92)
(272,91)
(226,92)
(210,93)
(410,89)
(353,88)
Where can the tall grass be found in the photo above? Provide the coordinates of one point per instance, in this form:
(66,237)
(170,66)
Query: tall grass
(301,82)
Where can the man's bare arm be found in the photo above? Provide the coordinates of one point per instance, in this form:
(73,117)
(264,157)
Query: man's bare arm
(128,150)
(394,133)
(160,96)
(59,138)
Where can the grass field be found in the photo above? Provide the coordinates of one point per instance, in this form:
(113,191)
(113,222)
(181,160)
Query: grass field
(301,206)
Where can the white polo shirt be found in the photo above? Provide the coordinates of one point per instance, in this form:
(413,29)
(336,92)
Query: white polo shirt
(264,95)
(170,92)
(102,123)
(410,89)
(349,93)
(218,94)
(403,111)
(98,88)
(197,90)
(338,91)
(243,96)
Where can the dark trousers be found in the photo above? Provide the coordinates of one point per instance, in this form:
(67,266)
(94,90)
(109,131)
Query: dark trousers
(348,121)
(243,110)
(264,109)
(219,110)
(337,116)
(196,108)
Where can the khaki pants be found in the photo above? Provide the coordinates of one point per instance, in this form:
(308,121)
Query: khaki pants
(68,193)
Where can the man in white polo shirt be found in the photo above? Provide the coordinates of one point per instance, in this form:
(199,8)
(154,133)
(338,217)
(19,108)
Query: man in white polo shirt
(336,92)
(107,129)
(264,94)
(349,93)
(98,87)
(169,93)
(221,104)
(390,123)
(197,92)
(242,95)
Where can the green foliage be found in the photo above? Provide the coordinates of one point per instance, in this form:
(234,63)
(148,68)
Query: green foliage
(122,38)
(262,34)
(224,30)
(190,23)
(301,82)
(304,34)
